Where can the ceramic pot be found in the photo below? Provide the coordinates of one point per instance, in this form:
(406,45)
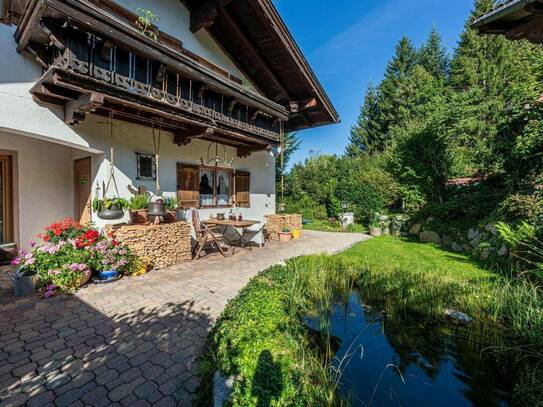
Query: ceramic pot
(139,216)
(284,237)
(108,274)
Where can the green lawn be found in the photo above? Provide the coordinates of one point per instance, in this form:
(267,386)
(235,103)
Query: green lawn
(325,226)
(391,252)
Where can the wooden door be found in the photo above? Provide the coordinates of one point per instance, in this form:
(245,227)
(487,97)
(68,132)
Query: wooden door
(82,190)
(6,199)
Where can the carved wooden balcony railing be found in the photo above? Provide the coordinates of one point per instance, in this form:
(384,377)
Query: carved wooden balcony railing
(70,63)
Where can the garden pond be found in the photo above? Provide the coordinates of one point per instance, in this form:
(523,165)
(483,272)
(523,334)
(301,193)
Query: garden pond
(391,361)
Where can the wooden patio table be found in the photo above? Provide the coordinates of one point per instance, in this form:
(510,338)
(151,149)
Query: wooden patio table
(236,225)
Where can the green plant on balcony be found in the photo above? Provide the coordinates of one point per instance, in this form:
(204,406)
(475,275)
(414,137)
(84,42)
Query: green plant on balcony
(146,23)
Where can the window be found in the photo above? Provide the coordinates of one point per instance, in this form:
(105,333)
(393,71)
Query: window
(200,186)
(146,166)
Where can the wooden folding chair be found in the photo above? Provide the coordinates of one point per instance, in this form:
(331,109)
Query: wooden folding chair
(206,234)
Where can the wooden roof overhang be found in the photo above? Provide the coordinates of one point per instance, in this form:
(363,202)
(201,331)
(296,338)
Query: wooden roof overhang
(516,19)
(256,38)
(63,84)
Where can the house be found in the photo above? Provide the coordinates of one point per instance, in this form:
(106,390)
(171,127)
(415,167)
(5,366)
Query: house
(516,19)
(94,87)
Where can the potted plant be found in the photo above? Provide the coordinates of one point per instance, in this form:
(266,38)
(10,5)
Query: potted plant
(375,225)
(285,235)
(172,204)
(110,208)
(139,213)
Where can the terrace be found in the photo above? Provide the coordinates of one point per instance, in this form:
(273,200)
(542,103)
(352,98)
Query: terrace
(134,340)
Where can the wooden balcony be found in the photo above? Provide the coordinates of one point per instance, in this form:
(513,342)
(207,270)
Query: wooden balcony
(91,67)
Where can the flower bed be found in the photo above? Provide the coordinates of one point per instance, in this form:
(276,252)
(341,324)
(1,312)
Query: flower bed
(70,252)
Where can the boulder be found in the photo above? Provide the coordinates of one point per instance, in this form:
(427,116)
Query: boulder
(458,317)
(503,251)
(473,233)
(491,227)
(415,229)
(429,236)
(457,247)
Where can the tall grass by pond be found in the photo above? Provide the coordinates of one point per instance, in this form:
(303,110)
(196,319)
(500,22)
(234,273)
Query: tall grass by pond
(404,279)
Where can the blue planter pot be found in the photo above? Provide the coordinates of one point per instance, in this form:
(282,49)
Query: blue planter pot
(108,274)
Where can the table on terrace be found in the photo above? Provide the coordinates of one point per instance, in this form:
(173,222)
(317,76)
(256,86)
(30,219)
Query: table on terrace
(236,225)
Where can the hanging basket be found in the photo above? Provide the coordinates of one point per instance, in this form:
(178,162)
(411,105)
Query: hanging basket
(113,213)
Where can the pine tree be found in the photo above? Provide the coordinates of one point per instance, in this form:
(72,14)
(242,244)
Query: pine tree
(433,56)
(391,105)
(490,75)
(366,135)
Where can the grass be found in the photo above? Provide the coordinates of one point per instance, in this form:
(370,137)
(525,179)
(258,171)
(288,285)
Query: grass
(260,330)
(266,348)
(326,226)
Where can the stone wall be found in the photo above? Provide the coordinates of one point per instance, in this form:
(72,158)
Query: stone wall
(276,223)
(162,245)
(482,241)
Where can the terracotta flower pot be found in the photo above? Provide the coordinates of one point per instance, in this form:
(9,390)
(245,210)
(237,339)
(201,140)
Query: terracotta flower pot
(284,237)
(85,277)
(139,216)
(170,217)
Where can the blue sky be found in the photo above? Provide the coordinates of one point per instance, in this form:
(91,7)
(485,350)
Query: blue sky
(348,43)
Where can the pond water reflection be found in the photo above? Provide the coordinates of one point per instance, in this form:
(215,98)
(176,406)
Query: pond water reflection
(388,361)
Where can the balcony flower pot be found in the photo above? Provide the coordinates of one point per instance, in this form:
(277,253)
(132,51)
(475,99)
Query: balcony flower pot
(139,216)
(284,237)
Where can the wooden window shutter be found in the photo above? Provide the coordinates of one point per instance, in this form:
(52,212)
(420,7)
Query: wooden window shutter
(243,189)
(188,186)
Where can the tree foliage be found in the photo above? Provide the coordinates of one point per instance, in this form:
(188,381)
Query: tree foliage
(433,118)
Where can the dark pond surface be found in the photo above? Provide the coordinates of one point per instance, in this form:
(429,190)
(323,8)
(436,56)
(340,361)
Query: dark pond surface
(386,362)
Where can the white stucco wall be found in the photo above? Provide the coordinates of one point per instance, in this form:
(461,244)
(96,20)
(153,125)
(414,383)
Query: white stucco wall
(43,173)
(130,138)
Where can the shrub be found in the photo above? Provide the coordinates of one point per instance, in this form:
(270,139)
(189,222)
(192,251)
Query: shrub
(519,207)
(526,246)
(139,202)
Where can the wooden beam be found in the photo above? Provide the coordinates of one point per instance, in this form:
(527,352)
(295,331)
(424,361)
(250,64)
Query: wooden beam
(282,91)
(86,103)
(186,136)
(204,15)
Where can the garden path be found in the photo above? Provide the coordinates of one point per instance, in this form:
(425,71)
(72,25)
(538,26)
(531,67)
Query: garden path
(133,342)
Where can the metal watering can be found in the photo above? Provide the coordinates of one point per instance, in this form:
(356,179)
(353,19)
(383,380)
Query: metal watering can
(24,282)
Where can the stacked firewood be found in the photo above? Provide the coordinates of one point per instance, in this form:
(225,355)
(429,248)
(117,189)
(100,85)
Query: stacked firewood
(276,223)
(161,245)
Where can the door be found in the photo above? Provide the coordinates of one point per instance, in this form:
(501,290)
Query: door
(82,190)
(6,199)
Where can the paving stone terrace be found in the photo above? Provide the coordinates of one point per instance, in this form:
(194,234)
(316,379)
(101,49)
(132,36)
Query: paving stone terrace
(132,342)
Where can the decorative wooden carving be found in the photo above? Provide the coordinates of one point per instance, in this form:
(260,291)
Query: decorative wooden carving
(75,110)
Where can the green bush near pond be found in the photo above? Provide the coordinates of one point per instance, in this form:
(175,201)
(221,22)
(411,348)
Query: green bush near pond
(260,330)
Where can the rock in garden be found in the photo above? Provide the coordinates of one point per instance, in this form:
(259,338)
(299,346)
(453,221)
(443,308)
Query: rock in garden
(491,227)
(458,317)
(503,251)
(473,233)
(457,247)
(415,229)
(429,236)
(222,389)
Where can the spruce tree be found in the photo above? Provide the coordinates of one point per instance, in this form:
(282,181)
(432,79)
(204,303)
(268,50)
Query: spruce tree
(490,75)
(392,107)
(433,56)
(366,135)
